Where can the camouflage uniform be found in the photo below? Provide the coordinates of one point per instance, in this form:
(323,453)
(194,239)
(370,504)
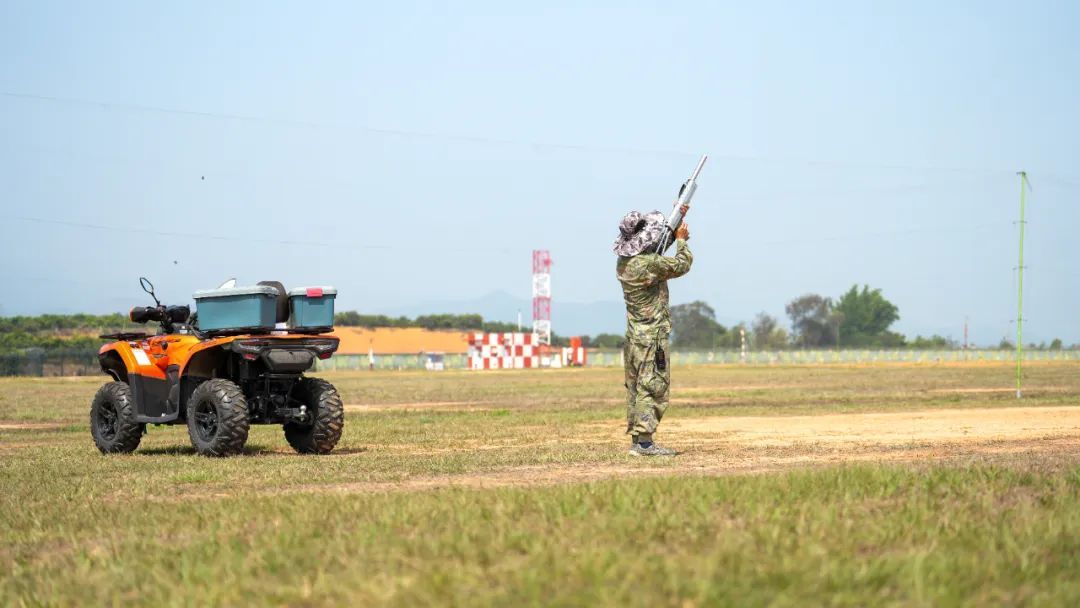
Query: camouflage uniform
(644,280)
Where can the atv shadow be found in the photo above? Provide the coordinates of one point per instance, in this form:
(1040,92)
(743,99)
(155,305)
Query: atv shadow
(187,450)
(346,451)
(249,450)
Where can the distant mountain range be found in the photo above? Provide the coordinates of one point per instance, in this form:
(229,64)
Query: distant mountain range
(567,318)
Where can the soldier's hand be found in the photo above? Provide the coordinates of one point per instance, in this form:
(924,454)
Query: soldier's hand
(683,233)
(684,208)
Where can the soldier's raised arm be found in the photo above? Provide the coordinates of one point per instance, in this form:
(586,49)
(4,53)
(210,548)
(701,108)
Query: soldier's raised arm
(664,268)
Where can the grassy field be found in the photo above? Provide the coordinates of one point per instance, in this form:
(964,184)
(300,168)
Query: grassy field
(885,484)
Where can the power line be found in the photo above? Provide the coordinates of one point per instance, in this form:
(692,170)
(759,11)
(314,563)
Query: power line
(224,238)
(829,192)
(876,234)
(1062,180)
(98,158)
(211,237)
(290,122)
(130,107)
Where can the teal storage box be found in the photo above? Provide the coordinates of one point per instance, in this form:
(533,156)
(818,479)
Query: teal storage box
(236,308)
(312,306)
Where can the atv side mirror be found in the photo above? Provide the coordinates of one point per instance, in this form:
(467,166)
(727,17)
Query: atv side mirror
(148,287)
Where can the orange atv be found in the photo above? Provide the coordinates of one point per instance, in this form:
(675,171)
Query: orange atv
(219,381)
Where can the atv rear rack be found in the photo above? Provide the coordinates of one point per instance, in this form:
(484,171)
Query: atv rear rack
(263,331)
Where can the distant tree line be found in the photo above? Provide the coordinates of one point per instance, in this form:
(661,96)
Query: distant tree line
(65,323)
(858,318)
(54,333)
(472,322)
(79,332)
(17,341)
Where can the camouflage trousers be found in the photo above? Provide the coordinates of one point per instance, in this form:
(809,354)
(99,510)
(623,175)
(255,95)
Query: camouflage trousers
(648,378)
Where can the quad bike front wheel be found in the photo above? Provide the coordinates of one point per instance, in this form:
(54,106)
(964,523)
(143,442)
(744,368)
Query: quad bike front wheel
(327,418)
(217,418)
(112,419)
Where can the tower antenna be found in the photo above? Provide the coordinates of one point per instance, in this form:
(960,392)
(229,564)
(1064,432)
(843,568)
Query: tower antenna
(541,283)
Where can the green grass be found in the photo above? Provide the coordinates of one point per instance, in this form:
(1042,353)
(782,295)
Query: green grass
(434,506)
(847,536)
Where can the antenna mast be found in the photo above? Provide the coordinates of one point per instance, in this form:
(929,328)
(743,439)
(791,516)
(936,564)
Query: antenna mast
(1024,185)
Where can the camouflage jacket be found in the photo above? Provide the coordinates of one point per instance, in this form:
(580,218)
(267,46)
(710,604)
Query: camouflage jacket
(644,280)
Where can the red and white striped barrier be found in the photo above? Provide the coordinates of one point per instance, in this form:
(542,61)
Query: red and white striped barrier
(520,351)
(503,351)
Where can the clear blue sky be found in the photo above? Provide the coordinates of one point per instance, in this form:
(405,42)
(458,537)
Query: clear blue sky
(411,152)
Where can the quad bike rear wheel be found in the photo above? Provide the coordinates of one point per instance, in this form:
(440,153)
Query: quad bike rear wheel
(112,419)
(327,414)
(217,418)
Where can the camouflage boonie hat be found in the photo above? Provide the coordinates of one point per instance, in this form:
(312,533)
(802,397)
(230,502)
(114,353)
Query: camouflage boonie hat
(637,232)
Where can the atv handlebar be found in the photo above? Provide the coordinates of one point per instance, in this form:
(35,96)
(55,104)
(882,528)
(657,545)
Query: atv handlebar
(166,315)
(144,314)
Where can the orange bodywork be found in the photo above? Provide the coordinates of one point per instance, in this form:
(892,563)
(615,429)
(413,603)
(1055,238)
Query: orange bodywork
(157,368)
(150,356)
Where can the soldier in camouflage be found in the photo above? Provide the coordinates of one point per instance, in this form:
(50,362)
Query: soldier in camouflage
(644,275)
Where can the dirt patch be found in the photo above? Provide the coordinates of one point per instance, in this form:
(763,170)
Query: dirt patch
(717,390)
(957,425)
(528,476)
(31,426)
(735,388)
(982,390)
(694,463)
(714,446)
(448,406)
(14,446)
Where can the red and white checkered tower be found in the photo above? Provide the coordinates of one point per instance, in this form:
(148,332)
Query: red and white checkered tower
(541,283)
